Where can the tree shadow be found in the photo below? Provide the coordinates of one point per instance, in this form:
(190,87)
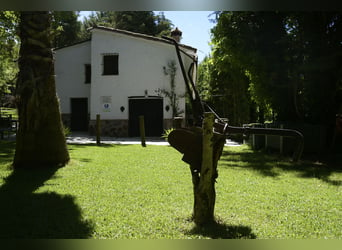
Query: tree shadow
(6,151)
(26,214)
(220,230)
(264,163)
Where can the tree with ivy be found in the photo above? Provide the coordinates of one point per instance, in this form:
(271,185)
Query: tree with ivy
(40,140)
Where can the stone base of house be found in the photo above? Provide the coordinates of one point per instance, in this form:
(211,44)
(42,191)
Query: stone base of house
(174,123)
(168,123)
(66,119)
(113,128)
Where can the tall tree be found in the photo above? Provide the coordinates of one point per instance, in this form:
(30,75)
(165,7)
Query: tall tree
(40,138)
(145,22)
(8,51)
(292,61)
(225,87)
(66,27)
(318,36)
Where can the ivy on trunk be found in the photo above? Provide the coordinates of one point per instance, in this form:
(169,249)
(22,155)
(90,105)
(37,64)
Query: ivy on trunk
(40,138)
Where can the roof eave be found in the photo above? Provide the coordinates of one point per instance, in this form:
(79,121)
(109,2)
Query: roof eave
(139,35)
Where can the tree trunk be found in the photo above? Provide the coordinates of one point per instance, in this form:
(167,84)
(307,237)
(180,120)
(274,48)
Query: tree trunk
(204,182)
(40,138)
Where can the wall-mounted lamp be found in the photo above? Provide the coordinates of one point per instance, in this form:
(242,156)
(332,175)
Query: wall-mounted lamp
(122,108)
(167,108)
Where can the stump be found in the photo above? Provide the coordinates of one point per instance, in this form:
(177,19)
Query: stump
(202,149)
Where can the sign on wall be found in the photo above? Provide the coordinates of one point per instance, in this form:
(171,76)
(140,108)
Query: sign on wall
(106,103)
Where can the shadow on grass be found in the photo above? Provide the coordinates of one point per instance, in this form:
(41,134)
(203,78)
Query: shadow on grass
(264,164)
(71,146)
(220,230)
(6,151)
(26,214)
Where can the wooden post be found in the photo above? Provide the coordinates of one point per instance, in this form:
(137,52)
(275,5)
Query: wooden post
(205,191)
(142,130)
(98,129)
(266,138)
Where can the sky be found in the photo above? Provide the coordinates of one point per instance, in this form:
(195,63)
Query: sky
(195,26)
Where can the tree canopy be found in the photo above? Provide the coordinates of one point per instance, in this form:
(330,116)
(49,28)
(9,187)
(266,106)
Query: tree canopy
(66,28)
(8,50)
(145,22)
(285,64)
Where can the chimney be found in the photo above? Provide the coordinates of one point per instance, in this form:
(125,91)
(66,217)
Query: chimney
(176,34)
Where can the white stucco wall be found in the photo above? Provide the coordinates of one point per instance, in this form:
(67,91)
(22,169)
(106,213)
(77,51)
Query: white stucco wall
(141,65)
(70,74)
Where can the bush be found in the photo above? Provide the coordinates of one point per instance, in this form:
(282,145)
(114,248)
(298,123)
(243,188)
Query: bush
(166,133)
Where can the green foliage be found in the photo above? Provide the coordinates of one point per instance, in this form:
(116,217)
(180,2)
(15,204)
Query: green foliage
(225,88)
(9,50)
(289,62)
(66,28)
(145,22)
(171,94)
(67,131)
(166,133)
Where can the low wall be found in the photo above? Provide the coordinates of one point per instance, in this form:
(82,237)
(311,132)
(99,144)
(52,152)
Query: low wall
(315,138)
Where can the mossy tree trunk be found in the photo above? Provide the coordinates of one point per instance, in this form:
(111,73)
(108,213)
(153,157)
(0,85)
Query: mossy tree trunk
(40,138)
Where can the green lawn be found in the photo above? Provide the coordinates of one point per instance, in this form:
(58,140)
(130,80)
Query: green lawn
(9,111)
(127,191)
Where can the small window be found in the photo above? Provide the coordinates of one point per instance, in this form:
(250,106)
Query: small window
(111,64)
(87,69)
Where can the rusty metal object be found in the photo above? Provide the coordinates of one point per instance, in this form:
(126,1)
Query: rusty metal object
(226,129)
(188,141)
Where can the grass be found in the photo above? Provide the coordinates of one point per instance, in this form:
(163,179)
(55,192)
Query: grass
(9,111)
(126,192)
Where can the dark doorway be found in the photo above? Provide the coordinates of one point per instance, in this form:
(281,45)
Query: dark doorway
(79,114)
(152,110)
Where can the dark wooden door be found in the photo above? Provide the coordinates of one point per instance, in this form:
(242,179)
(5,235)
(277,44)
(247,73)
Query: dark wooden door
(79,114)
(152,110)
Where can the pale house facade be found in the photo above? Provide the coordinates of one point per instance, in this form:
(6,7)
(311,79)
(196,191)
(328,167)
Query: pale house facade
(118,74)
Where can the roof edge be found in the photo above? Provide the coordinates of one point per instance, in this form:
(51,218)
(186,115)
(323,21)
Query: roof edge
(73,44)
(139,35)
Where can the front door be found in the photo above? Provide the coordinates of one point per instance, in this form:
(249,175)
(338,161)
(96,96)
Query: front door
(79,114)
(152,110)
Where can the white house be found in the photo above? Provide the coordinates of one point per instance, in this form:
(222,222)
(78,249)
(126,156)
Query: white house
(119,74)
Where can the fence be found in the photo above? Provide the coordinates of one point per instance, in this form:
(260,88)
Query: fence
(315,138)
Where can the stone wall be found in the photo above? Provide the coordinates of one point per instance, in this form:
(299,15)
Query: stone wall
(113,128)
